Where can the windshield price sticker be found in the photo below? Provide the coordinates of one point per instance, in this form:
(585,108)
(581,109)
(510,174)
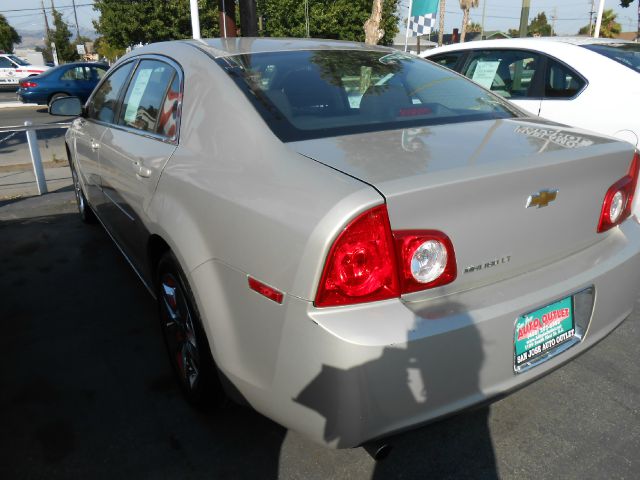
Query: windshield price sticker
(543,330)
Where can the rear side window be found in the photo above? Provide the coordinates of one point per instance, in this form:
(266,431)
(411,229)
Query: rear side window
(168,119)
(561,81)
(509,73)
(104,101)
(76,73)
(448,60)
(322,93)
(627,54)
(145,95)
(6,63)
(98,72)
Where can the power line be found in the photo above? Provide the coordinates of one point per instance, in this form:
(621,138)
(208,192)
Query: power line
(46,8)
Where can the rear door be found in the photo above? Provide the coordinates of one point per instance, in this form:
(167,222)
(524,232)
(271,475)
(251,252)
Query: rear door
(513,74)
(76,81)
(88,130)
(135,150)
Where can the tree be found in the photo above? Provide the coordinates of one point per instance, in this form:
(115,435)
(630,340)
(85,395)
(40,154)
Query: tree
(441,7)
(474,27)
(539,26)
(372,31)
(8,35)
(337,19)
(123,24)
(105,50)
(60,35)
(466,6)
(609,28)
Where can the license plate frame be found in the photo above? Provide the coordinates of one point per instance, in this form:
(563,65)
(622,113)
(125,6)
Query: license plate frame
(545,332)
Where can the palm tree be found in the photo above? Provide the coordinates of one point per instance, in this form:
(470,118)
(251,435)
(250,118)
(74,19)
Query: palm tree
(441,8)
(609,28)
(466,6)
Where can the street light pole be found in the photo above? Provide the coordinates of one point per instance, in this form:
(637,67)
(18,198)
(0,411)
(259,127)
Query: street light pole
(195,19)
(596,32)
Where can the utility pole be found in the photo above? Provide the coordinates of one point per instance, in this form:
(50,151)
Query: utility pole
(248,18)
(591,12)
(227,18)
(554,17)
(46,21)
(75,14)
(524,17)
(484,9)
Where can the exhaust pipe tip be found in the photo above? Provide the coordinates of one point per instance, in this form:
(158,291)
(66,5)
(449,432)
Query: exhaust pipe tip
(378,451)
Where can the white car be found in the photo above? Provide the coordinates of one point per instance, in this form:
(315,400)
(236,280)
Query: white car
(13,68)
(578,81)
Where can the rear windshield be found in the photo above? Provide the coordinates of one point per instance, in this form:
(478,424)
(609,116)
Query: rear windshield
(323,93)
(628,54)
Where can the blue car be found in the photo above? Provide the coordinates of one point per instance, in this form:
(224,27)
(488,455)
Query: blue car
(69,80)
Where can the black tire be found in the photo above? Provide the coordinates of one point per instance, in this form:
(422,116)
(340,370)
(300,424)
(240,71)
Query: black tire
(56,96)
(86,214)
(184,337)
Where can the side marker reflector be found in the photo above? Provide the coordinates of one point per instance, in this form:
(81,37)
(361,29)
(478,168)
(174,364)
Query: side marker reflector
(265,290)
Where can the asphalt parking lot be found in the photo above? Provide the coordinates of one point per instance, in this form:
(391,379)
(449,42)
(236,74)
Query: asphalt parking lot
(87,391)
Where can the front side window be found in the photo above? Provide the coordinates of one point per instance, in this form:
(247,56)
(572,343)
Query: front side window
(322,93)
(19,61)
(561,81)
(627,54)
(509,73)
(103,103)
(145,95)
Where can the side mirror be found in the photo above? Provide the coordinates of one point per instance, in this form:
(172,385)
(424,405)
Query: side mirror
(66,106)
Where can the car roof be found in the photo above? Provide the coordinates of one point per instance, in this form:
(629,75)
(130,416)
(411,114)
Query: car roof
(540,43)
(224,47)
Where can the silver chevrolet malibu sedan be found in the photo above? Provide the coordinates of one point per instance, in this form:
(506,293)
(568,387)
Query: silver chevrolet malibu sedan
(353,240)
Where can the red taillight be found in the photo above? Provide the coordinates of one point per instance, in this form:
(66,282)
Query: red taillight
(28,84)
(616,207)
(361,265)
(367,262)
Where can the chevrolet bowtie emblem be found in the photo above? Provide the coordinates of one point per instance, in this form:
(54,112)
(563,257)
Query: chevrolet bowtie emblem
(542,198)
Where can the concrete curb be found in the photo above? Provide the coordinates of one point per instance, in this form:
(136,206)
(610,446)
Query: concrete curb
(18,105)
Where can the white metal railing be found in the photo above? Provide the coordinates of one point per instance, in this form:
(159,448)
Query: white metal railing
(34,149)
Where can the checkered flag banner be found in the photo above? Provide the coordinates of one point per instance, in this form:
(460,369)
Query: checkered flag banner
(422,24)
(422,17)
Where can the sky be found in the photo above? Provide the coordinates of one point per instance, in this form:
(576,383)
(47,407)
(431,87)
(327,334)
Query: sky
(500,14)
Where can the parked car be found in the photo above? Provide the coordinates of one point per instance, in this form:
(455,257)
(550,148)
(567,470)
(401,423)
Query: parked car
(13,68)
(76,79)
(582,81)
(352,239)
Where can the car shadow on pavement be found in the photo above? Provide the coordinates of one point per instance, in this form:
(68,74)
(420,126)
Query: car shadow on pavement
(87,390)
(436,366)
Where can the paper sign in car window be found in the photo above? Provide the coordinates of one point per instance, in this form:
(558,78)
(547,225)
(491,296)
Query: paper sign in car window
(142,80)
(485,73)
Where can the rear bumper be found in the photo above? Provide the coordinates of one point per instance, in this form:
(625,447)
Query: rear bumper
(26,96)
(346,375)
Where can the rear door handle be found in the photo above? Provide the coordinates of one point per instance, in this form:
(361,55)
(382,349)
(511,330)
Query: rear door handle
(141,170)
(94,145)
